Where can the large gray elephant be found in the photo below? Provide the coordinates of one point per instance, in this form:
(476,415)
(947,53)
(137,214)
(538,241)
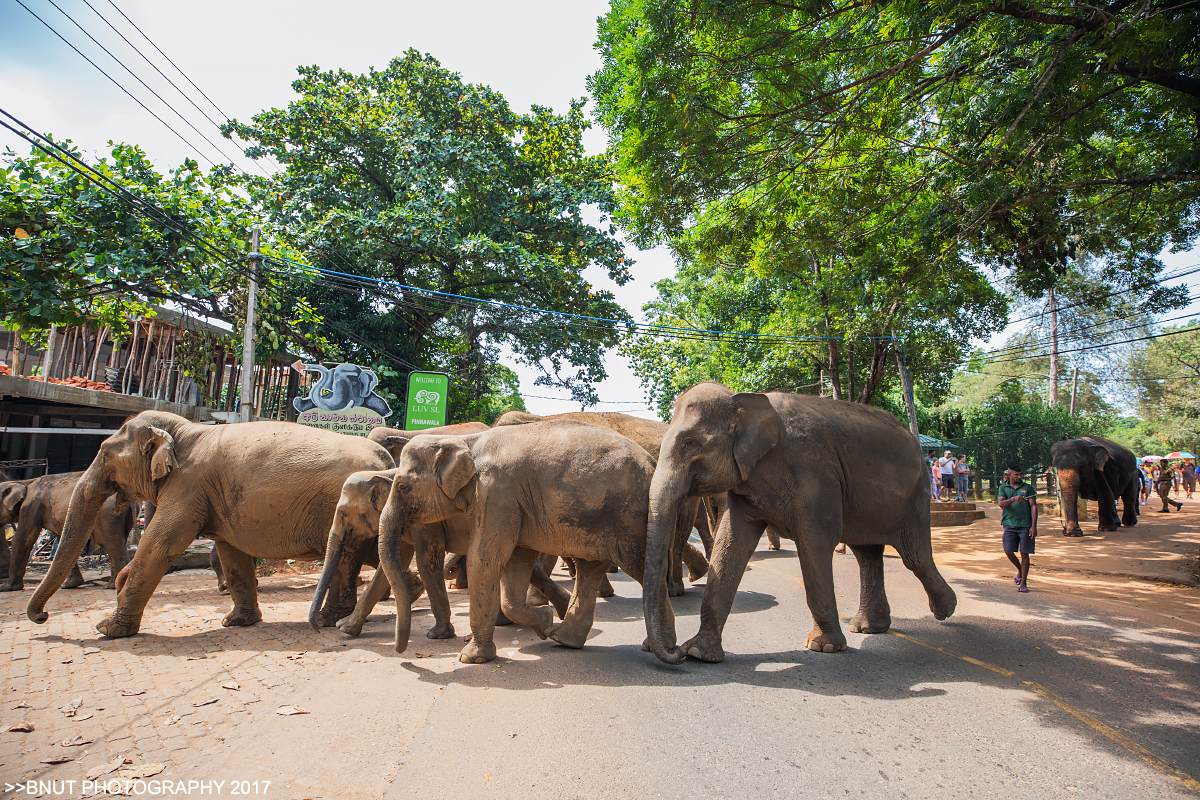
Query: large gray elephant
(648,435)
(819,471)
(344,386)
(1096,469)
(258,489)
(41,504)
(562,488)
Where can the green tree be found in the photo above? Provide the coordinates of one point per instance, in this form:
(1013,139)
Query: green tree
(410,175)
(1164,379)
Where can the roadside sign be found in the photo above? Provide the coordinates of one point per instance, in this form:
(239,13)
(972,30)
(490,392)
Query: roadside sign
(343,399)
(428,400)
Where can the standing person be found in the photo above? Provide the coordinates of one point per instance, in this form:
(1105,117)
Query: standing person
(1018,499)
(1166,478)
(1147,482)
(1177,478)
(935,486)
(946,463)
(1188,471)
(963,471)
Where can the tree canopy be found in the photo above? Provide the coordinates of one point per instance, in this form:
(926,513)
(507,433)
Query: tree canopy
(409,175)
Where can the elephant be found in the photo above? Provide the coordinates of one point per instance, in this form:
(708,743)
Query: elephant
(258,489)
(559,487)
(819,471)
(394,439)
(356,525)
(41,503)
(344,386)
(1100,470)
(647,434)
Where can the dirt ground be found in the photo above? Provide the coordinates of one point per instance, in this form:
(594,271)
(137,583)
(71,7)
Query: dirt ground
(1155,563)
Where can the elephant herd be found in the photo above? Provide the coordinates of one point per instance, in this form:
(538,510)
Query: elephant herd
(595,489)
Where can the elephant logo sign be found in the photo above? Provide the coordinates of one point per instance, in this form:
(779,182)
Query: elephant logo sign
(342,387)
(426,397)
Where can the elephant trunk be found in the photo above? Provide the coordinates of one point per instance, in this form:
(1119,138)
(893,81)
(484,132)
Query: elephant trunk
(391,527)
(90,493)
(333,557)
(1068,492)
(666,494)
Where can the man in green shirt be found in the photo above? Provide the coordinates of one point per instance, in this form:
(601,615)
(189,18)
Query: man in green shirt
(1018,499)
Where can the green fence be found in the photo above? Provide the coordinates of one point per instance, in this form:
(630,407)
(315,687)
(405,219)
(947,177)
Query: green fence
(990,454)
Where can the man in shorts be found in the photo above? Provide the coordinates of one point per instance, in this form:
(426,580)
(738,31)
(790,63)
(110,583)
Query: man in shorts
(1018,499)
(946,466)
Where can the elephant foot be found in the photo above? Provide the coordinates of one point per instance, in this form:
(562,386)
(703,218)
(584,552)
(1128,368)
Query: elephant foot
(704,648)
(823,642)
(674,589)
(1129,524)
(330,616)
(1107,528)
(443,630)
(606,588)
(567,638)
(74,581)
(12,587)
(772,545)
(241,617)
(863,623)
(476,653)
(944,606)
(117,625)
(350,626)
(535,598)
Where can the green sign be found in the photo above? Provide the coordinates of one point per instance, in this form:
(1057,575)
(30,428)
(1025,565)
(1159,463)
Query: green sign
(428,400)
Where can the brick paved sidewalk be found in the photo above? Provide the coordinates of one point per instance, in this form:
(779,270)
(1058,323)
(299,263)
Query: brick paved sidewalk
(145,696)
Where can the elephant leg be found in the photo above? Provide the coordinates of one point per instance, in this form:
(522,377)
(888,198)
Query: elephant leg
(490,551)
(733,545)
(874,614)
(29,527)
(703,527)
(4,552)
(110,535)
(533,597)
(577,623)
(165,539)
(606,587)
(816,566)
(429,546)
(916,552)
(514,585)
(1130,504)
(540,582)
(243,586)
(695,562)
(75,579)
(343,593)
(214,563)
(772,538)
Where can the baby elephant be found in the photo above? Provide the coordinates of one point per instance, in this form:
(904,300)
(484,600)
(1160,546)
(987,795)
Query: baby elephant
(562,488)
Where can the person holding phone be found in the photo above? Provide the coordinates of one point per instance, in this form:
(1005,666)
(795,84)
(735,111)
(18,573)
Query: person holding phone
(1019,501)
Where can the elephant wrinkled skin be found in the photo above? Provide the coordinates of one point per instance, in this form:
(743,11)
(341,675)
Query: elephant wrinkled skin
(818,470)
(562,488)
(258,489)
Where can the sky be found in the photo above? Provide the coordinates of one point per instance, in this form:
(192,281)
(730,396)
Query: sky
(243,56)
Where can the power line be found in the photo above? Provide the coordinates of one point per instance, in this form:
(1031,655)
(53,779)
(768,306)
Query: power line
(115,82)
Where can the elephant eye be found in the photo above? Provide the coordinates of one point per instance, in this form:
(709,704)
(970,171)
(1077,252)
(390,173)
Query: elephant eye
(688,442)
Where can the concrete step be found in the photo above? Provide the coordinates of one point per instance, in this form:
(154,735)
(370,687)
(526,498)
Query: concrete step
(951,506)
(949,519)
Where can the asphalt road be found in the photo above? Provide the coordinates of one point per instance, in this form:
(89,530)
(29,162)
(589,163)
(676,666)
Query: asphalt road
(1039,695)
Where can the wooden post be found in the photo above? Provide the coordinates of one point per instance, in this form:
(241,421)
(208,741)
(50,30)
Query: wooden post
(127,378)
(247,399)
(146,358)
(48,358)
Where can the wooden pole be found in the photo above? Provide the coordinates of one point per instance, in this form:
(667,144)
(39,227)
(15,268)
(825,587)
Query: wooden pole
(127,378)
(101,338)
(146,358)
(48,358)
(247,400)
(1074,386)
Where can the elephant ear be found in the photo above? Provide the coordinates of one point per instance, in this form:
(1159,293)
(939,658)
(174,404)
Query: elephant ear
(394,444)
(381,487)
(757,427)
(367,382)
(454,466)
(160,450)
(1099,456)
(12,496)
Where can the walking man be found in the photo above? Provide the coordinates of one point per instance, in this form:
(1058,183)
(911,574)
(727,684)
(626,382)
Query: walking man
(1166,478)
(1018,499)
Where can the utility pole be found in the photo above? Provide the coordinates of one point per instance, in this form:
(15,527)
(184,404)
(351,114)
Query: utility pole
(906,385)
(1053,303)
(246,404)
(1074,386)
(48,359)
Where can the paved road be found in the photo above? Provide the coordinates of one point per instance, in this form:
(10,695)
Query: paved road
(1057,697)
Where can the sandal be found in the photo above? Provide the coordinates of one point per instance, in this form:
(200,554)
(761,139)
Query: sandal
(1022,588)
(1017,580)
